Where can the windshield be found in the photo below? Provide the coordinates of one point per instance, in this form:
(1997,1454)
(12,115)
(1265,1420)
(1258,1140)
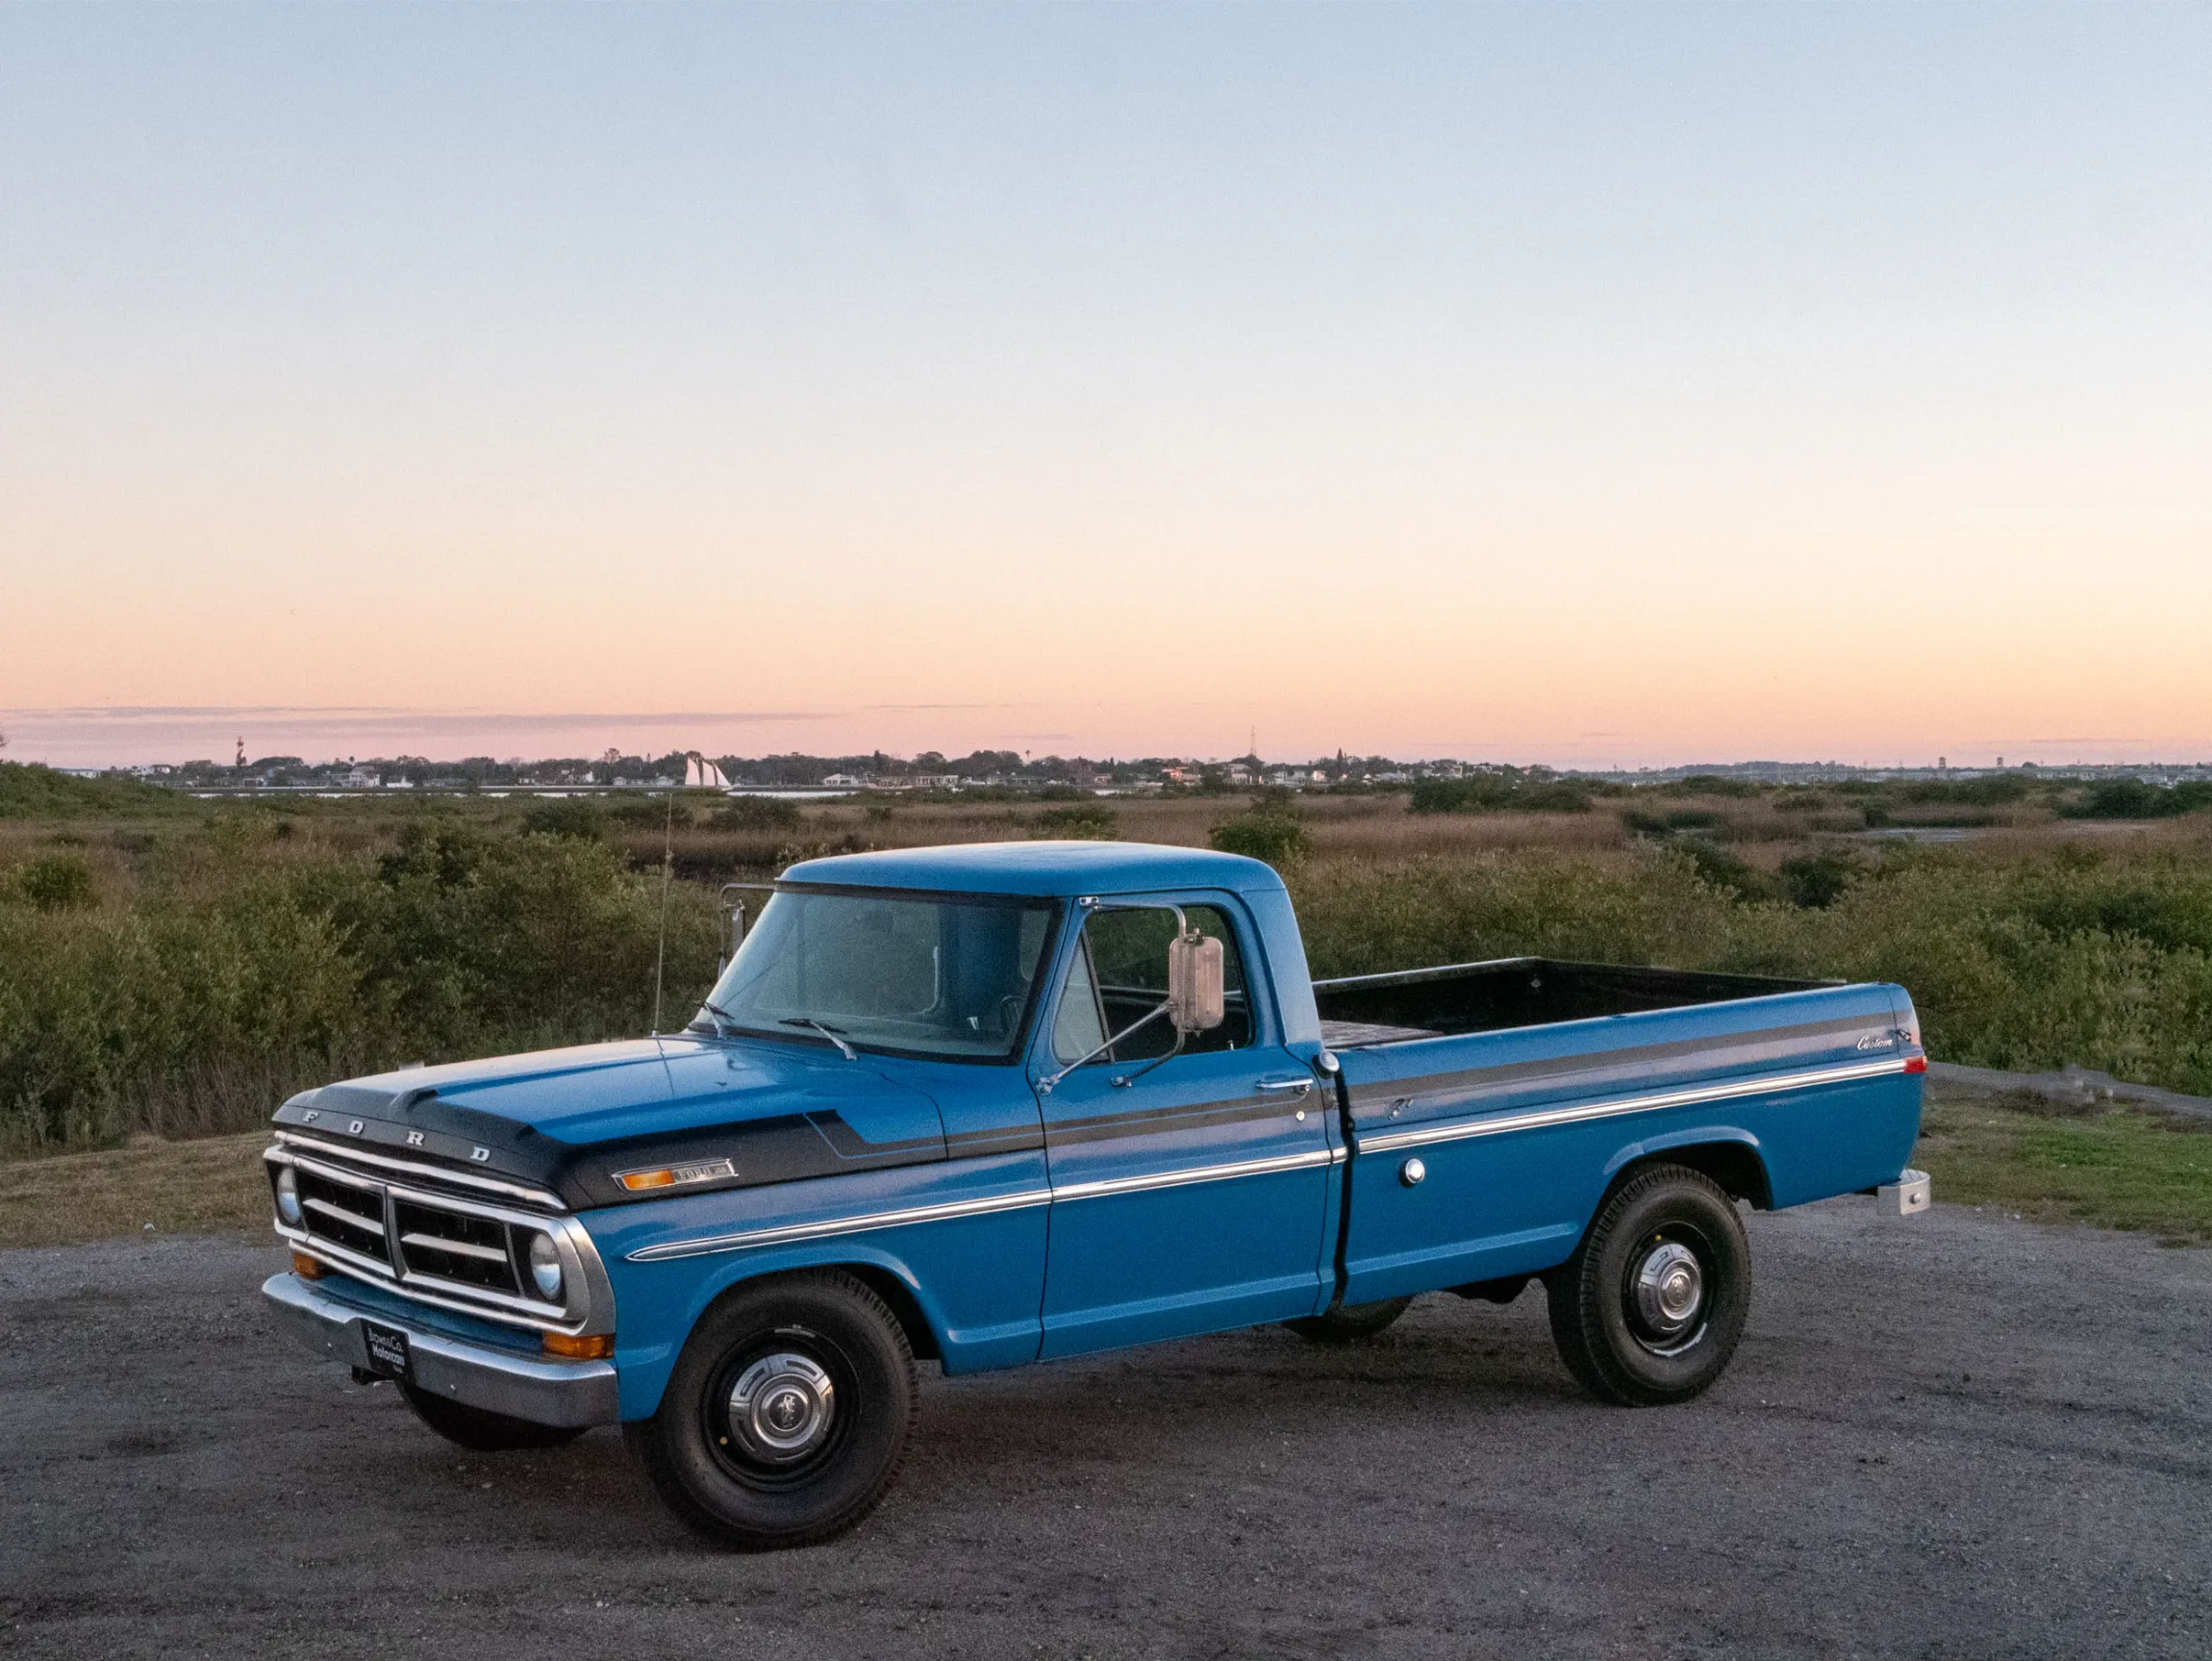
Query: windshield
(937,975)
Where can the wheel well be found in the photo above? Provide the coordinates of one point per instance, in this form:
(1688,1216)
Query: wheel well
(1735,1166)
(879,1280)
(903,1304)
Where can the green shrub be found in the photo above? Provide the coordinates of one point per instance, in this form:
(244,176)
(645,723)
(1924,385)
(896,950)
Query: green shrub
(232,980)
(56,881)
(2138,799)
(1999,792)
(1711,785)
(1505,790)
(756,813)
(1089,821)
(1814,880)
(571,816)
(1724,870)
(1275,838)
(29,790)
(650,813)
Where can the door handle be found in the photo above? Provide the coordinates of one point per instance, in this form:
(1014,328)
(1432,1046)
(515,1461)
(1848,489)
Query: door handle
(1293,1088)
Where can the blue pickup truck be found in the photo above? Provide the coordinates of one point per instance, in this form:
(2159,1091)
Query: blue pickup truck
(1004,1103)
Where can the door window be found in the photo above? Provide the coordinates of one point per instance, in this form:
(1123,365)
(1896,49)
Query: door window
(1121,975)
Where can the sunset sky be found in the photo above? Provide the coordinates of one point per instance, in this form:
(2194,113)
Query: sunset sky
(1580,385)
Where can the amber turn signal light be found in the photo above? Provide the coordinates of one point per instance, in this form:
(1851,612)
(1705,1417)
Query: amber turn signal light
(594,1346)
(634,1180)
(306,1266)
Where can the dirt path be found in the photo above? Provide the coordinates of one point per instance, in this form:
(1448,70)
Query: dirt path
(1956,1436)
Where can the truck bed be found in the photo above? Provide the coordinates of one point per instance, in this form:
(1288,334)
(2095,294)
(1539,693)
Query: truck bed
(1361,1012)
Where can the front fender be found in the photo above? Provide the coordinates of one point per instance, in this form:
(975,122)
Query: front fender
(644,1366)
(964,1242)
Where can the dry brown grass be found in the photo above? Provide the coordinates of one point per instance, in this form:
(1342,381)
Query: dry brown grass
(208,1186)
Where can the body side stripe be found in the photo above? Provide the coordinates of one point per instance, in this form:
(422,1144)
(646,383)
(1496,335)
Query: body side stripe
(786,1233)
(1547,1069)
(1499,1124)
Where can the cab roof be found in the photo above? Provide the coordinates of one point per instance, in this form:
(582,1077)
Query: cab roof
(1051,868)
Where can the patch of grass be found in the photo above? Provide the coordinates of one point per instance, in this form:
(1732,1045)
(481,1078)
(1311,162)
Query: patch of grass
(29,790)
(2121,1169)
(206,1187)
(56,881)
(1086,821)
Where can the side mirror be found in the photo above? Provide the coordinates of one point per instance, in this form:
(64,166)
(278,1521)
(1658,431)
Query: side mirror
(734,920)
(1194,995)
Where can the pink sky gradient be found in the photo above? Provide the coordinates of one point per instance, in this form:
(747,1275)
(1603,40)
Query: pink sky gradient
(1602,388)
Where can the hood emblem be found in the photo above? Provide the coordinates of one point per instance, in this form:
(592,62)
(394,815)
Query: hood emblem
(676,1175)
(479,1154)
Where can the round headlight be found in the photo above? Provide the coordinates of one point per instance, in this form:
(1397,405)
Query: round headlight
(287,1195)
(545,1267)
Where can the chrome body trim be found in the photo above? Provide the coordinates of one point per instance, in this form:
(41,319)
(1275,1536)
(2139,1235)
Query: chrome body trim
(782,1234)
(568,1394)
(1192,1173)
(587,1304)
(1499,1124)
(428,1172)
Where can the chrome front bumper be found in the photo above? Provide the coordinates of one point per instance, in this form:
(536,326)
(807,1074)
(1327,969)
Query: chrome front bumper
(567,1394)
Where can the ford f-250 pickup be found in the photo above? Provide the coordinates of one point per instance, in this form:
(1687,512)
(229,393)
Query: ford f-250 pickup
(1005,1103)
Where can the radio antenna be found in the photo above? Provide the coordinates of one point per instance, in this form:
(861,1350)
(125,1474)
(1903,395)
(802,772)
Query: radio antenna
(667,867)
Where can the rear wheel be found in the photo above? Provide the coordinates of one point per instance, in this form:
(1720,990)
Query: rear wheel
(1348,1323)
(786,1414)
(1649,1308)
(481,1430)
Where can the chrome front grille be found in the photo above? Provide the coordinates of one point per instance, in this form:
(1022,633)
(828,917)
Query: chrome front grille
(455,1246)
(388,1226)
(346,1214)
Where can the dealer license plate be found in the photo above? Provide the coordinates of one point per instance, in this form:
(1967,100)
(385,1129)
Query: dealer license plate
(387,1351)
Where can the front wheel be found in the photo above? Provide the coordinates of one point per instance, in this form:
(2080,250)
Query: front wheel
(784,1418)
(1649,1308)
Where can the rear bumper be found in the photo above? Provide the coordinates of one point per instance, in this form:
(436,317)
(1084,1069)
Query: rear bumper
(567,1394)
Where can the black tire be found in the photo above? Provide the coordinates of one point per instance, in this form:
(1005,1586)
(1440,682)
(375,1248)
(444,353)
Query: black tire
(481,1430)
(1643,1347)
(831,1373)
(1348,1323)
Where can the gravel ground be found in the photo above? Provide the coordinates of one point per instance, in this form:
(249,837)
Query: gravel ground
(1956,1435)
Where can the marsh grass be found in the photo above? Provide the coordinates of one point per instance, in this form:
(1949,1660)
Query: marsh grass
(198,966)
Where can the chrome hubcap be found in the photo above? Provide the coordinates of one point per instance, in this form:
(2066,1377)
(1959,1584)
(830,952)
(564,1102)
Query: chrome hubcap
(781,1407)
(1669,1289)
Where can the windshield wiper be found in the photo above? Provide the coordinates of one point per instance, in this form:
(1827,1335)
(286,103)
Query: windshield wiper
(829,1032)
(724,1021)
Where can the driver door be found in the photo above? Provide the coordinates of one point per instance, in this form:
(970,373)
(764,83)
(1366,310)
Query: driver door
(1188,1190)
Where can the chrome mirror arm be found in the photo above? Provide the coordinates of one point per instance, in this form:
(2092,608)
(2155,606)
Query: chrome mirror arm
(1044,1084)
(1129,1078)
